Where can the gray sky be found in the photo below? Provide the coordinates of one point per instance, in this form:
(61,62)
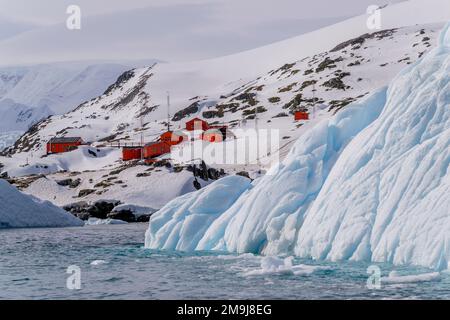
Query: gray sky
(171,30)
(52,11)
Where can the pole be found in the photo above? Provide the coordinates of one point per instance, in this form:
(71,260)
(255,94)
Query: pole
(168,111)
(314,100)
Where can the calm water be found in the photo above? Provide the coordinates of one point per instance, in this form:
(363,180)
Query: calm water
(33,264)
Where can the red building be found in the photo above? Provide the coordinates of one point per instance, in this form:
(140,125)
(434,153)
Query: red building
(197,124)
(131,153)
(173,138)
(63,144)
(156,149)
(301,115)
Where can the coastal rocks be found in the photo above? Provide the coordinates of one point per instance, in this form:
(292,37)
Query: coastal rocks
(109,209)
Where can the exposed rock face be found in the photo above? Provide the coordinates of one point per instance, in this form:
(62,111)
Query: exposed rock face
(124,215)
(69,183)
(192,109)
(104,210)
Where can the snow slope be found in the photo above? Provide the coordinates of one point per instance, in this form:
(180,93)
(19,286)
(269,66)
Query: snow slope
(21,211)
(358,186)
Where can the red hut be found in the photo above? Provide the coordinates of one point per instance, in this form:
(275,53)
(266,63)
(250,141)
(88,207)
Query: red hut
(173,138)
(131,153)
(63,144)
(197,124)
(156,149)
(301,115)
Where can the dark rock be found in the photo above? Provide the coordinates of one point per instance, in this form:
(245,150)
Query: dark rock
(197,184)
(124,77)
(85,192)
(192,109)
(143,218)
(243,174)
(69,183)
(124,215)
(213,114)
(213,174)
(92,153)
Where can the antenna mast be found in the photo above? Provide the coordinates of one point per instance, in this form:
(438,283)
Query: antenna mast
(314,100)
(168,111)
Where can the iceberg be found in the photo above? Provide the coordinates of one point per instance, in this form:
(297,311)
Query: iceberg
(18,210)
(371,183)
(182,222)
(388,196)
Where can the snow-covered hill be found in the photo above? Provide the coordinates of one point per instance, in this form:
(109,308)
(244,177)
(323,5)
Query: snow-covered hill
(360,186)
(32,93)
(21,211)
(61,87)
(343,74)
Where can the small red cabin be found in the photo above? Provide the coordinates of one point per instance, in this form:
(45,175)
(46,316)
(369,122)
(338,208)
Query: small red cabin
(197,124)
(63,144)
(173,138)
(156,149)
(131,153)
(301,115)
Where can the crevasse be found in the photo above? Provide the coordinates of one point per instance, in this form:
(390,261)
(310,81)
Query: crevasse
(371,183)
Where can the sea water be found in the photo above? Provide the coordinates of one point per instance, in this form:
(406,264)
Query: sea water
(110,262)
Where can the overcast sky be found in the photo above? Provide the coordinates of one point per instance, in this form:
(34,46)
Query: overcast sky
(172,30)
(51,11)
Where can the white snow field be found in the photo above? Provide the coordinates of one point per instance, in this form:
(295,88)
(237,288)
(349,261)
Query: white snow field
(18,210)
(359,186)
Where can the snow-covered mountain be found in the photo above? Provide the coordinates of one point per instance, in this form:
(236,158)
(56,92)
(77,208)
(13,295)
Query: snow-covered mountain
(61,87)
(345,73)
(21,211)
(19,117)
(32,93)
(371,183)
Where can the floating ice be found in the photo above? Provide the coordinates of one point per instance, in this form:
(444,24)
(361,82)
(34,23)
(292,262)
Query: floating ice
(98,262)
(273,265)
(18,210)
(98,222)
(395,278)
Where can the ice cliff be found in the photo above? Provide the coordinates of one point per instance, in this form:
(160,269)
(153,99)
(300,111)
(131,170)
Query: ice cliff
(372,184)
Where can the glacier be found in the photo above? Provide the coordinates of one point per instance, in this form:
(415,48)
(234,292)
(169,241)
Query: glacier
(18,210)
(370,184)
